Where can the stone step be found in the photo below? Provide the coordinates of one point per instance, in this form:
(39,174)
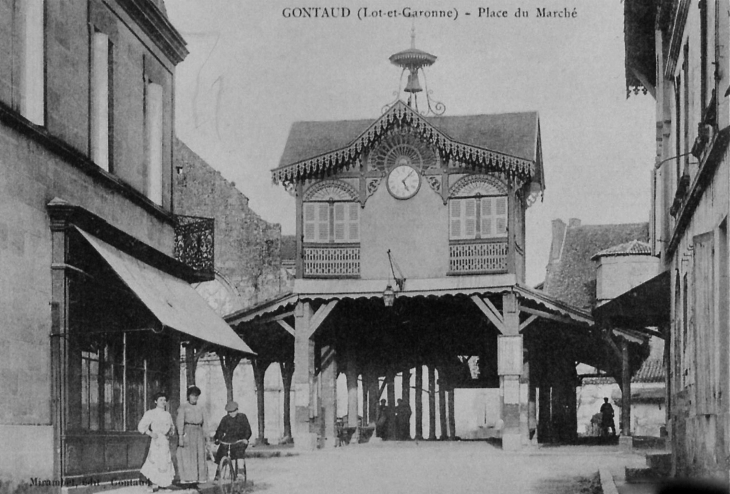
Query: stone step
(661,463)
(648,442)
(640,475)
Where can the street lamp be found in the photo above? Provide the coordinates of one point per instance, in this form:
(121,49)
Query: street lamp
(388,296)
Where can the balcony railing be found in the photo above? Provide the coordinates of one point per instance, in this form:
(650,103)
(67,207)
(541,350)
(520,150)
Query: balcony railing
(195,242)
(478,257)
(331,261)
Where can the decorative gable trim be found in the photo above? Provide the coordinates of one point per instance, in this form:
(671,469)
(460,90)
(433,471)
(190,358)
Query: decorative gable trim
(336,190)
(400,115)
(473,185)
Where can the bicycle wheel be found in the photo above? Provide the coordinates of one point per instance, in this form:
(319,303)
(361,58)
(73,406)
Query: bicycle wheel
(227,476)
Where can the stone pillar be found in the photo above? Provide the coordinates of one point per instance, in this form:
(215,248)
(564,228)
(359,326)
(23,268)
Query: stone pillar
(524,404)
(509,368)
(431,404)
(419,402)
(328,380)
(303,379)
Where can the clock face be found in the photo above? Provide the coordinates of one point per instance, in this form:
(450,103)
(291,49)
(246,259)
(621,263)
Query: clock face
(403,181)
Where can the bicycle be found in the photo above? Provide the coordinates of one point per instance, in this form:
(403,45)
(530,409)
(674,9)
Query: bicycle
(228,470)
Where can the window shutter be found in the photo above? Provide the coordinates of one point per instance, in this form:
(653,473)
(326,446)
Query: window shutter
(455,219)
(486,217)
(353,222)
(323,222)
(470,218)
(501,215)
(310,223)
(340,223)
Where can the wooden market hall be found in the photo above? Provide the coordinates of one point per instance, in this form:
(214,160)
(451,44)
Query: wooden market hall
(410,252)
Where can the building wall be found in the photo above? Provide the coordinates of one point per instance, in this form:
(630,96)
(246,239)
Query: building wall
(699,417)
(31,175)
(416,231)
(619,274)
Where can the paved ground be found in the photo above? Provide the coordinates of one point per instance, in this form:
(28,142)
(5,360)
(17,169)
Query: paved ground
(464,467)
(431,467)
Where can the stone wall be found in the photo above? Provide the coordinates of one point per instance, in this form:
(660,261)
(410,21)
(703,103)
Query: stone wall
(247,248)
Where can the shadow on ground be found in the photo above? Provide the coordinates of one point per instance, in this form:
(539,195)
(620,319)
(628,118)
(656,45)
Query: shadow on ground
(563,485)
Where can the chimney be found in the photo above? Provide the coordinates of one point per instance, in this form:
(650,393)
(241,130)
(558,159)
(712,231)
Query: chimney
(556,248)
(573,222)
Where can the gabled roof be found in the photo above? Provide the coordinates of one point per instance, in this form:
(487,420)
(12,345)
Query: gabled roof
(633,248)
(508,142)
(571,275)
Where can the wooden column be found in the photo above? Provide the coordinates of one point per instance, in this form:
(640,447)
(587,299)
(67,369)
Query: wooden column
(287,371)
(452,417)
(626,390)
(442,407)
(259,375)
(353,407)
(328,379)
(373,394)
(390,378)
(419,402)
(431,403)
(406,397)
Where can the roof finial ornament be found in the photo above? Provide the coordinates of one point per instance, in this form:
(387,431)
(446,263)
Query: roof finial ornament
(415,60)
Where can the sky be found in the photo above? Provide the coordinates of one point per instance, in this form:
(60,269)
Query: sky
(252,71)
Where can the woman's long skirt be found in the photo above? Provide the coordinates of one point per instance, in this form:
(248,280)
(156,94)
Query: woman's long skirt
(158,466)
(192,457)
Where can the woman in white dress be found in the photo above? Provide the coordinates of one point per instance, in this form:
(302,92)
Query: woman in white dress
(157,423)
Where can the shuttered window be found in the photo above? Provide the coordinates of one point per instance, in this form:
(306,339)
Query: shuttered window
(337,222)
(478,217)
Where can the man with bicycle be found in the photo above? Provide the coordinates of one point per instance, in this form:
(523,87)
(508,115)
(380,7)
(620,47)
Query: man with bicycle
(235,430)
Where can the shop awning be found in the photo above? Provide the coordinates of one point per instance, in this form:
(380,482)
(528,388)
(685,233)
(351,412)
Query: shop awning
(171,300)
(645,305)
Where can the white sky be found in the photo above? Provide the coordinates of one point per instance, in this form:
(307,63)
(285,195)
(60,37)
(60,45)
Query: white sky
(251,73)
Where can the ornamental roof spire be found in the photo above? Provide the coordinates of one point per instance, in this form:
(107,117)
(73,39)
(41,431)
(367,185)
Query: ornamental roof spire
(414,61)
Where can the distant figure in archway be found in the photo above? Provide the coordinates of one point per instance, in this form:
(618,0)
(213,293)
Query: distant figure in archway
(607,419)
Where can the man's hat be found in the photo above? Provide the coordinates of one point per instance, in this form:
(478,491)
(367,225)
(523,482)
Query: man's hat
(231,406)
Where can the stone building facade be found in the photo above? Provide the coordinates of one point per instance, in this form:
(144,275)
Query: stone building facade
(678,53)
(88,236)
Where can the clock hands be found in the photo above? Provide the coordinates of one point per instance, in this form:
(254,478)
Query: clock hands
(406,178)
